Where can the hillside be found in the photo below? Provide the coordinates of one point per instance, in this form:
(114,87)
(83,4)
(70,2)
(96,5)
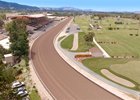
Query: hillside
(15,6)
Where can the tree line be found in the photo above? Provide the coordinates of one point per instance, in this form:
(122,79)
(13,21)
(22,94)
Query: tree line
(19,48)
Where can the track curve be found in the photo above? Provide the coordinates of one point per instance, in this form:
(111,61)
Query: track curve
(61,79)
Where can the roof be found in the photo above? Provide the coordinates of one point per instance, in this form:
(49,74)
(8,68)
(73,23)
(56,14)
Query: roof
(35,15)
(29,16)
(2,36)
(48,14)
(5,43)
(8,55)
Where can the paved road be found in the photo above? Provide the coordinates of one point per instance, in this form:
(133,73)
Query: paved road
(63,81)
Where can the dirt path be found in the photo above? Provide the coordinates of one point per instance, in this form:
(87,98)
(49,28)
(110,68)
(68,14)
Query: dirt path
(75,42)
(117,79)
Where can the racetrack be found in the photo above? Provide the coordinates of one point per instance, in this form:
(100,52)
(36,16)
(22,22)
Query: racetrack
(63,81)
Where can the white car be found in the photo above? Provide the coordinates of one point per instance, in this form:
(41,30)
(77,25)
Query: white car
(17,84)
(20,89)
(22,93)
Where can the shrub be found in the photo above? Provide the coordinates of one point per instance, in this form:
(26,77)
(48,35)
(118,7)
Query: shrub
(118,22)
(110,28)
(131,34)
(89,37)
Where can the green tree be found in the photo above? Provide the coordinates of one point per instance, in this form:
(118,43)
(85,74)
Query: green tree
(89,37)
(7,76)
(18,37)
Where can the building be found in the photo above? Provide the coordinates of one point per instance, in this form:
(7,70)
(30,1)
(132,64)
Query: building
(34,21)
(4,41)
(9,59)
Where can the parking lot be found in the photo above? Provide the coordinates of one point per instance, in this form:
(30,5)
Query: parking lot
(74,28)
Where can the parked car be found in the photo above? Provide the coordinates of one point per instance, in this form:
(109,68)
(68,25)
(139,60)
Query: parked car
(78,28)
(17,84)
(22,93)
(21,89)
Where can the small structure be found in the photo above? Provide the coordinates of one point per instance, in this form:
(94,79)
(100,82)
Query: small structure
(9,59)
(97,27)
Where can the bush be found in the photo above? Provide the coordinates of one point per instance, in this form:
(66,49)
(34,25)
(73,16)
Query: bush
(110,28)
(118,22)
(89,37)
(19,71)
(131,34)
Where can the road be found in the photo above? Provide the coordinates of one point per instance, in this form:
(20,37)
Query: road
(63,81)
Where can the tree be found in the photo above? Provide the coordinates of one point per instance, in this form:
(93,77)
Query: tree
(89,37)
(18,37)
(7,76)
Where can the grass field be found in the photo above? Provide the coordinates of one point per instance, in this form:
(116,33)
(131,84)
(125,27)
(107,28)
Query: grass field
(130,70)
(126,39)
(34,95)
(96,64)
(83,22)
(67,43)
(126,44)
(83,45)
(125,68)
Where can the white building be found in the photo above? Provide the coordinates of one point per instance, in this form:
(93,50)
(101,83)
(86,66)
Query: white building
(4,41)
(9,59)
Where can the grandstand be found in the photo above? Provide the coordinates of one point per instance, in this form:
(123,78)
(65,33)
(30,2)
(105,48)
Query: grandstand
(35,21)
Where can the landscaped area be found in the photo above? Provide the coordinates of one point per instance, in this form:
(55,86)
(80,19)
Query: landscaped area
(120,41)
(67,43)
(83,45)
(121,67)
(130,70)
(117,41)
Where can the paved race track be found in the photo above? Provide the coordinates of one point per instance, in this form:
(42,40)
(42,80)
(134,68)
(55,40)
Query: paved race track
(63,81)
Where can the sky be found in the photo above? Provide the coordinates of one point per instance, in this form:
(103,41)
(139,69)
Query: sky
(97,5)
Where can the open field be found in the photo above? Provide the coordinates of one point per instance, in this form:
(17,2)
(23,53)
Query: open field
(116,67)
(121,36)
(121,41)
(83,22)
(67,43)
(96,64)
(126,45)
(130,70)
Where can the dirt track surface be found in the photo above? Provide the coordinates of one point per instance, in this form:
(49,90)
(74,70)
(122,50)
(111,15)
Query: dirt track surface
(63,81)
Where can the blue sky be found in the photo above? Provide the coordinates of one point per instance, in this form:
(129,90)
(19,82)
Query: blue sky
(98,5)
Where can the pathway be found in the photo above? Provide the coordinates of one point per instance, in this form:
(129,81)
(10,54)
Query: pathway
(105,54)
(75,42)
(117,79)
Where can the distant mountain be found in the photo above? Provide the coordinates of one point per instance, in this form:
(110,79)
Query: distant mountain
(61,9)
(137,12)
(16,6)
